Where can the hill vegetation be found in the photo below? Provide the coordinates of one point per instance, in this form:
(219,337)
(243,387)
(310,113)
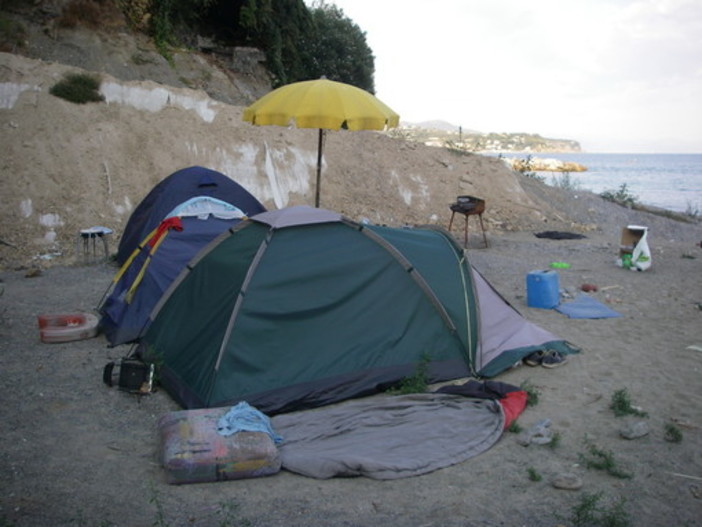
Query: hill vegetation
(299,42)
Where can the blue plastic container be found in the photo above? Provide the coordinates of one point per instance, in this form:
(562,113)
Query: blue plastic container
(542,289)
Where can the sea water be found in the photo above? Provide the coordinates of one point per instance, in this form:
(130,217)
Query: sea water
(669,181)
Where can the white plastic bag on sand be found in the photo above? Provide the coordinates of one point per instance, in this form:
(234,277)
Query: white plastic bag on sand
(634,252)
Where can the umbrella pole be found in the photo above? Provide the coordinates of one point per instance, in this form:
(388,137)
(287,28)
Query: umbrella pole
(319,166)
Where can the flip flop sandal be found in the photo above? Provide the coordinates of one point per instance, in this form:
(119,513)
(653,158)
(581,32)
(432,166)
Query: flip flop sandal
(553,359)
(535,358)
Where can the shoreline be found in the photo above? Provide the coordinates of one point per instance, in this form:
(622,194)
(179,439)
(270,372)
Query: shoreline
(646,181)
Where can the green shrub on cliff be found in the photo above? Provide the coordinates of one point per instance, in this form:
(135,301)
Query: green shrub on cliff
(79,88)
(526,168)
(13,35)
(565,181)
(622,196)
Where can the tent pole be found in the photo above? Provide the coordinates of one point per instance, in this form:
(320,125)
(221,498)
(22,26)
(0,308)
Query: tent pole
(319,167)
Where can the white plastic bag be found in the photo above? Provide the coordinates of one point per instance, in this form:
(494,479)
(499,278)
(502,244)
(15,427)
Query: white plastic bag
(634,253)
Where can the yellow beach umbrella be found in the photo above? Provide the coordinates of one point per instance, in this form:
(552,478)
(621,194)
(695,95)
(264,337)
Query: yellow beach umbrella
(323,104)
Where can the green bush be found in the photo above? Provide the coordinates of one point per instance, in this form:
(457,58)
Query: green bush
(622,196)
(526,168)
(13,35)
(565,181)
(692,211)
(79,88)
(81,12)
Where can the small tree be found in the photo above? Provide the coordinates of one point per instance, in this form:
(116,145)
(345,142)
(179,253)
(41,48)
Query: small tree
(338,49)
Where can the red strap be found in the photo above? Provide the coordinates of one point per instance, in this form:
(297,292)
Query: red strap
(167,224)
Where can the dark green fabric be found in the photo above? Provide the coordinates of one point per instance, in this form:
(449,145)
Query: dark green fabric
(187,334)
(442,264)
(325,304)
(342,304)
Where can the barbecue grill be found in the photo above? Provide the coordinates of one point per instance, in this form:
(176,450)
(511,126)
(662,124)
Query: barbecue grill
(468,206)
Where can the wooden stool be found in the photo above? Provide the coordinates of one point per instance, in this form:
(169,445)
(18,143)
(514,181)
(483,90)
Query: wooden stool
(469,206)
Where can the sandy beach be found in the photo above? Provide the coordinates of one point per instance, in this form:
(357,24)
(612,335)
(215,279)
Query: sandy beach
(75,452)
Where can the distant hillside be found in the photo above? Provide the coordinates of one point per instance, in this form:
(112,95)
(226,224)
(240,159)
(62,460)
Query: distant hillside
(438,125)
(442,133)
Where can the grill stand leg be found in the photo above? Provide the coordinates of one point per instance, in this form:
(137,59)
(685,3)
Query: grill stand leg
(465,228)
(465,231)
(480,216)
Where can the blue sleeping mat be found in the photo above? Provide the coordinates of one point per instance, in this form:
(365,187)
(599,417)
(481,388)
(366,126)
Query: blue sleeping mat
(586,307)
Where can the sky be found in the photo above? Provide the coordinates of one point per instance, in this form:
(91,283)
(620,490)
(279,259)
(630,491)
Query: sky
(615,75)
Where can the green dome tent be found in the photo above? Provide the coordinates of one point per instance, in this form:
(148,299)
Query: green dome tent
(301,307)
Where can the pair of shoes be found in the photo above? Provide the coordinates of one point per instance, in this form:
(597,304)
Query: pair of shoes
(535,358)
(553,359)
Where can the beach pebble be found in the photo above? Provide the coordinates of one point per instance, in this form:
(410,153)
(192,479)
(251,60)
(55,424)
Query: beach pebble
(567,481)
(541,436)
(588,288)
(538,434)
(524,439)
(634,430)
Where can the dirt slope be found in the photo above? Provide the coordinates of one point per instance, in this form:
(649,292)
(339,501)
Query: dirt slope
(66,167)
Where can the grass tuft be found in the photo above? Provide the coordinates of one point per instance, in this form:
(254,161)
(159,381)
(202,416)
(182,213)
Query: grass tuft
(673,434)
(417,383)
(534,475)
(555,440)
(532,391)
(621,405)
(601,459)
(514,427)
(590,512)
